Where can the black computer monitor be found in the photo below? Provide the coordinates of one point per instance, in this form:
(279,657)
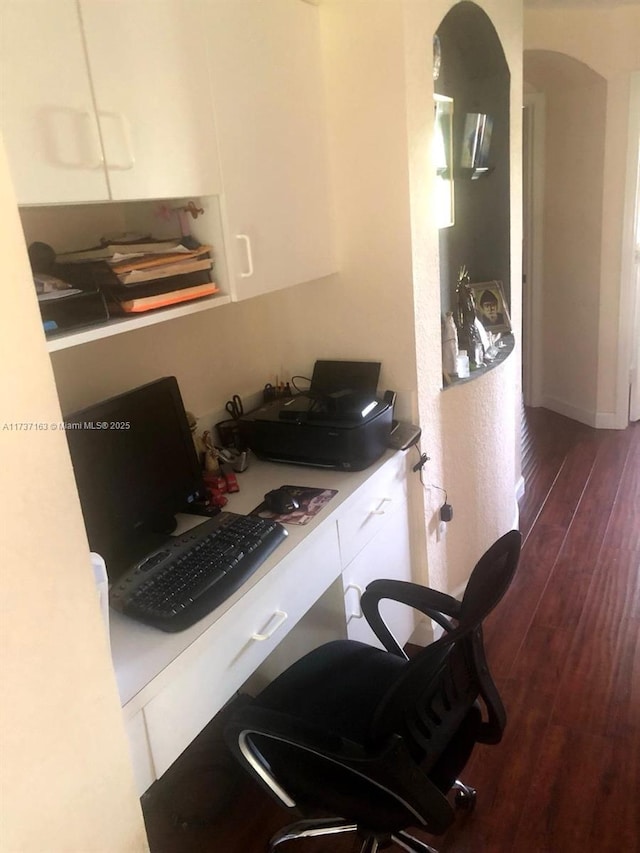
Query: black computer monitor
(135,466)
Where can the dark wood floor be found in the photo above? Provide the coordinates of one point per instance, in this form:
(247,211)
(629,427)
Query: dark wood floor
(564,647)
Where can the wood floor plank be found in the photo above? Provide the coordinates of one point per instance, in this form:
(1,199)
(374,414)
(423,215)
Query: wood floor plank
(513,618)
(623,530)
(564,794)
(615,823)
(546,439)
(573,478)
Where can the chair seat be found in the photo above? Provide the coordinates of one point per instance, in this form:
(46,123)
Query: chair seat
(337,686)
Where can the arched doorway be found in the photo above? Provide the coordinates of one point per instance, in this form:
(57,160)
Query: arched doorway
(562,252)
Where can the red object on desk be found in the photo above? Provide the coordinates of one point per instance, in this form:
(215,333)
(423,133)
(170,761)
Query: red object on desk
(214,481)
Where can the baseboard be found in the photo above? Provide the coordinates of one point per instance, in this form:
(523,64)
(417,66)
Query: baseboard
(576,414)
(597,420)
(610,420)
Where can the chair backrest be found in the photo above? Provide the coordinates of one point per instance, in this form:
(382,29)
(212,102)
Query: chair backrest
(442,683)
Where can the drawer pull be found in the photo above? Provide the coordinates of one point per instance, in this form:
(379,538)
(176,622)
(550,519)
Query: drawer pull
(358,614)
(279,617)
(125,134)
(247,244)
(379,509)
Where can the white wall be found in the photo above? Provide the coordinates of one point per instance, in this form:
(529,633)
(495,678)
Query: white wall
(608,41)
(66,784)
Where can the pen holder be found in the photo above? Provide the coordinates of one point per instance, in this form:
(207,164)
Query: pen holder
(230,435)
(275,392)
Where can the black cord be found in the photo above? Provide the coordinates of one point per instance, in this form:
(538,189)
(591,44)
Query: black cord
(440,489)
(422,461)
(316,395)
(419,467)
(300,390)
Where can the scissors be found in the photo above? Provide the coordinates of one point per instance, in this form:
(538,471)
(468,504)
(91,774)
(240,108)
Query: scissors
(234,407)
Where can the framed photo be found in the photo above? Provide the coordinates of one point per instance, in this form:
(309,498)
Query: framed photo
(491,307)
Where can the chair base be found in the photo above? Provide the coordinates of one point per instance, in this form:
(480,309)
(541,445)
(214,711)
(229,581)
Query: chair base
(332,826)
(465,797)
(310,829)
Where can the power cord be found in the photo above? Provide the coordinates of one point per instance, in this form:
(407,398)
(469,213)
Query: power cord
(446,510)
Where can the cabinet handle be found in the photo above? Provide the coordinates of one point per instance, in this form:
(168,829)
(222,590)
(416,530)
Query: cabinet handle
(98,163)
(358,614)
(247,243)
(379,509)
(58,123)
(280,618)
(125,129)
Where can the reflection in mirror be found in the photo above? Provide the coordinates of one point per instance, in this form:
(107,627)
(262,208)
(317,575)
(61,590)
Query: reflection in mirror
(443,161)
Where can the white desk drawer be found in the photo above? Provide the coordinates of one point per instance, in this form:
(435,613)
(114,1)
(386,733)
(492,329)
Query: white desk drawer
(371,506)
(388,555)
(237,644)
(143,771)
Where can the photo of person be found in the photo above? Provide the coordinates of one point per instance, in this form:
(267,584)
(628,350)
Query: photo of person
(491,308)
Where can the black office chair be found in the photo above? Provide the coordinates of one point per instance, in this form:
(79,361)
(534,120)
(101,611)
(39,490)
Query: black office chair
(358,739)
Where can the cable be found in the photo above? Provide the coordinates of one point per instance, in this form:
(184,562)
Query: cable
(422,461)
(446,510)
(440,489)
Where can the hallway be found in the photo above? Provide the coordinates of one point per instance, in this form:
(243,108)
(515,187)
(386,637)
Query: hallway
(564,648)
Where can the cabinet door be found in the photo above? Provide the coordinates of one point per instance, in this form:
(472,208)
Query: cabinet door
(387,555)
(46,106)
(148,66)
(268,92)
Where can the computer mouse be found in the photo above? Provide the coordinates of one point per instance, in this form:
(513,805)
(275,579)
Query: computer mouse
(280,501)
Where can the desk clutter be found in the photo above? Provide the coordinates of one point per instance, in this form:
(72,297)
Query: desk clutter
(137,472)
(143,471)
(305,503)
(131,276)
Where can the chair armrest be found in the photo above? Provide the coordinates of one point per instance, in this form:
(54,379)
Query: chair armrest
(389,767)
(434,604)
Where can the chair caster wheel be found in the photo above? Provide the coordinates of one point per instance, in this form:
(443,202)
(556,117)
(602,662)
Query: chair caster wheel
(466,800)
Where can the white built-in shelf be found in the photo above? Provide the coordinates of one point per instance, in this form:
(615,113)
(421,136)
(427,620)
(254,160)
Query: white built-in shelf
(118,325)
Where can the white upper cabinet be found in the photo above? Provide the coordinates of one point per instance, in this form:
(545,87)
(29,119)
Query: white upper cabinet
(47,113)
(147,61)
(106,100)
(266,73)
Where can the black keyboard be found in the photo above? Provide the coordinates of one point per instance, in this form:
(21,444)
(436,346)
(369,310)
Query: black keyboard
(189,577)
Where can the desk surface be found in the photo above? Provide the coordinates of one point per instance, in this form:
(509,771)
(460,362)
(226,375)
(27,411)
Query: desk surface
(142,655)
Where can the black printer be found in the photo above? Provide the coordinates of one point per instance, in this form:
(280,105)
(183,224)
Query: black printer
(338,423)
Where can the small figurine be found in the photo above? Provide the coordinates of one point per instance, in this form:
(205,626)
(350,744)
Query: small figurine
(211,456)
(198,441)
(465,318)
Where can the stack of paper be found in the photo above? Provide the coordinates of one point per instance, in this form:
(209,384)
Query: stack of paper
(149,274)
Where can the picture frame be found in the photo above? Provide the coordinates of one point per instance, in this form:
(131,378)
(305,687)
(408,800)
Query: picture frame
(491,306)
